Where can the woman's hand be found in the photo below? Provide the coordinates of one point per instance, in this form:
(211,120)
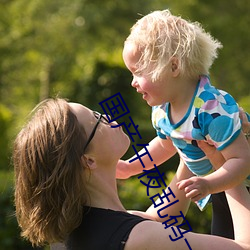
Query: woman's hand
(245,124)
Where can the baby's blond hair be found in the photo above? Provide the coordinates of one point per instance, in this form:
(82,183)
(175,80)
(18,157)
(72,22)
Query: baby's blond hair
(161,36)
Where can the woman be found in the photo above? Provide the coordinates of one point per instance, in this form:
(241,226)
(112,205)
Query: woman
(65,187)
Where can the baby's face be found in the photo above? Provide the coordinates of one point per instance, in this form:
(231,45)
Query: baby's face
(153,92)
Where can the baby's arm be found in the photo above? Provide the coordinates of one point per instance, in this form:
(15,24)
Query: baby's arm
(236,168)
(160,151)
(234,171)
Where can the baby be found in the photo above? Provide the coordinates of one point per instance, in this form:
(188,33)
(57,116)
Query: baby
(170,59)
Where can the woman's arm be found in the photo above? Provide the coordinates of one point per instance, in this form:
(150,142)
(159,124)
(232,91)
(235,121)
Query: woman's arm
(153,235)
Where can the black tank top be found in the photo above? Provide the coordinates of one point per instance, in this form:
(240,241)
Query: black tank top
(102,229)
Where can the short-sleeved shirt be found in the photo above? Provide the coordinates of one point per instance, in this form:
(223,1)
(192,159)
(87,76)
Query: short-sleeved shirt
(213,115)
(102,229)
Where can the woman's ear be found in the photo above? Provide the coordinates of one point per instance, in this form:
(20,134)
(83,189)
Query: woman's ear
(175,66)
(89,161)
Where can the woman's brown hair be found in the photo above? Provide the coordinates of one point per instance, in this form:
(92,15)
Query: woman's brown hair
(49,186)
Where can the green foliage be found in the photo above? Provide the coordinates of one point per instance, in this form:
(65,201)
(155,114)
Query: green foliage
(228,22)
(133,194)
(245,103)
(73,48)
(5,124)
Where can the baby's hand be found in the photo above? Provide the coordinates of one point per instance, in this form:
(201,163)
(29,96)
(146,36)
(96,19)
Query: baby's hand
(194,187)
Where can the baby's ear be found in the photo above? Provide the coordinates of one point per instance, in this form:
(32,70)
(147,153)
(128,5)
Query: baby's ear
(175,66)
(89,161)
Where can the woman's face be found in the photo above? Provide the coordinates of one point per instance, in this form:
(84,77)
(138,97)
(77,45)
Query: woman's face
(107,141)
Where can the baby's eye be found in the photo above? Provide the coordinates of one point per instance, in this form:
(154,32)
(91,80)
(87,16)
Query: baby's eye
(137,73)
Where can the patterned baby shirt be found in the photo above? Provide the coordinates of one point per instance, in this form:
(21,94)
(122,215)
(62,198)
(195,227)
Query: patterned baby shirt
(213,115)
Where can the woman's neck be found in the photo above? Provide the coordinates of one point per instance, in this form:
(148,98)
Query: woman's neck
(102,189)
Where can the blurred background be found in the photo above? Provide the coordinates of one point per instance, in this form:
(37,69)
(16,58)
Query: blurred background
(72,48)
